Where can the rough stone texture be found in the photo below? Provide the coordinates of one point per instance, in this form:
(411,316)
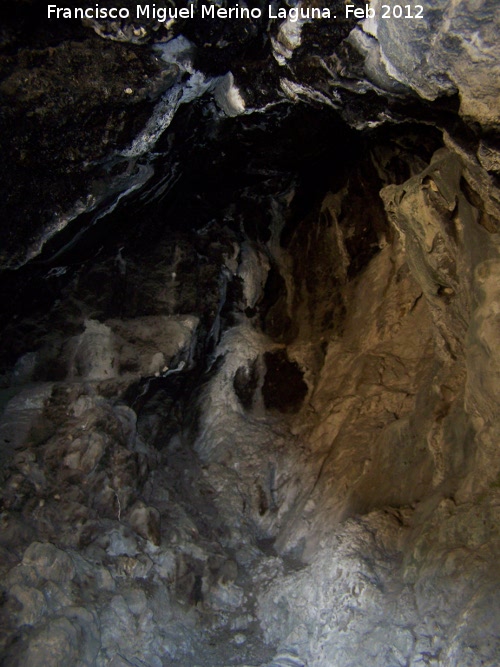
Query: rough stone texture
(73,121)
(426,423)
(250,402)
(452,49)
(87,124)
(360,527)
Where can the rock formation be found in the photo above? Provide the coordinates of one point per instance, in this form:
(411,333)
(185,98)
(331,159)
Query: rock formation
(250,349)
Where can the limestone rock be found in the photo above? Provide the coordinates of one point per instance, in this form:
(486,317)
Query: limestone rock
(452,48)
(250,385)
(146,523)
(49,562)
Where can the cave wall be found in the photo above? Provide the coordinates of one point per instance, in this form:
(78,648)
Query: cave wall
(250,378)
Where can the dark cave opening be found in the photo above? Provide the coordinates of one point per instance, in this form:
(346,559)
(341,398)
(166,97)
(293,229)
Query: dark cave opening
(233,167)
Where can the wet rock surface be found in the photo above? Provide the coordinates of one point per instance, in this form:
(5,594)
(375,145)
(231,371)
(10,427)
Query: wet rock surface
(249,391)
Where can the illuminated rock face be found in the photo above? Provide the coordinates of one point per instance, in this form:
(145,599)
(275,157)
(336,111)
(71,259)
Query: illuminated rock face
(451,49)
(250,397)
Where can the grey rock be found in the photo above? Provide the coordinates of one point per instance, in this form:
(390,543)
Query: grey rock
(56,643)
(122,543)
(49,562)
(358,523)
(21,415)
(146,522)
(453,48)
(32,601)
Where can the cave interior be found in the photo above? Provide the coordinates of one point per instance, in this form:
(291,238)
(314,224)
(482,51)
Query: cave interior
(250,339)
